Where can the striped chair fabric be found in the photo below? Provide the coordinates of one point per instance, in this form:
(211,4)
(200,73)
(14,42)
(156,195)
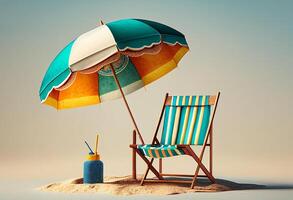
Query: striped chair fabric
(185,122)
(160,151)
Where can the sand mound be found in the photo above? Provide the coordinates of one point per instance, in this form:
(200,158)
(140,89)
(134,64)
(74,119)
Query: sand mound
(127,186)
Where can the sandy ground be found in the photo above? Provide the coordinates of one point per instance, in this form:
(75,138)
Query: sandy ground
(127,186)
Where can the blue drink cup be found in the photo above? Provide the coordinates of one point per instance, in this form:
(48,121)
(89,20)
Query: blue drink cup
(93,169)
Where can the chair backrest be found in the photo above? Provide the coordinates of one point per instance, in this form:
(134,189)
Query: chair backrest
(187,119)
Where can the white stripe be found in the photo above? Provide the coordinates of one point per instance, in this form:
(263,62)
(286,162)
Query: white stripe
(151,45)
(91,48)
(140,48)
(173,44)
(144,151)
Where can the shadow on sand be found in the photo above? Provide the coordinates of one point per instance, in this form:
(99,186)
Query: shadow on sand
(125,185)
(203,182)
(246,186)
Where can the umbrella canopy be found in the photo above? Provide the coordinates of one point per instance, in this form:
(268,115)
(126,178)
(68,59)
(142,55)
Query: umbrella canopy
(139,51)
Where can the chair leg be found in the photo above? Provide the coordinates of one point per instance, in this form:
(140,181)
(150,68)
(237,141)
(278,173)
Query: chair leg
(161,165)
(147,171)
(149,164)
(200,165)
(195,177)
(211,149)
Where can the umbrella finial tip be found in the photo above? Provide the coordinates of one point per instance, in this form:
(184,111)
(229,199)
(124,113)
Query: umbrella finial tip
(101,22)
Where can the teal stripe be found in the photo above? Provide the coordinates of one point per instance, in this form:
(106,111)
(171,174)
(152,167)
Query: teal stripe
(160,153)
(127,75)
(174,99)
(205,123)
(173,39)
(57,81)
(57,72)
(181,123)
(197,125)
(167,110)
(160,148)
(193,100)
(180,100)
(173,152)
(133,33)
(169,34)
(187,99)
(154,153)
(167,153)
(171,123)
(171,126)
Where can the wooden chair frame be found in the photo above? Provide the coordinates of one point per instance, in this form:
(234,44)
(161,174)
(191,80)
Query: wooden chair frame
(208,142)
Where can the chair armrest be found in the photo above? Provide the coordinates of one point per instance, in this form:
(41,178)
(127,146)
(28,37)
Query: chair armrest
(183,145)
(134,146)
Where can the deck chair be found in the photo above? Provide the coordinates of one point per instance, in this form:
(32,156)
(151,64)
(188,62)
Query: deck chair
(188,120)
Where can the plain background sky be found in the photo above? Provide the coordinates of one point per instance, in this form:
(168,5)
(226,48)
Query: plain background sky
(242,48)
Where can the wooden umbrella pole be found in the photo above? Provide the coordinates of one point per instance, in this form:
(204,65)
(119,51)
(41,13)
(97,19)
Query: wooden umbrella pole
(125,101)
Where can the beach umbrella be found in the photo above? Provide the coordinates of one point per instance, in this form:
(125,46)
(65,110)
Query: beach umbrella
(110,61)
